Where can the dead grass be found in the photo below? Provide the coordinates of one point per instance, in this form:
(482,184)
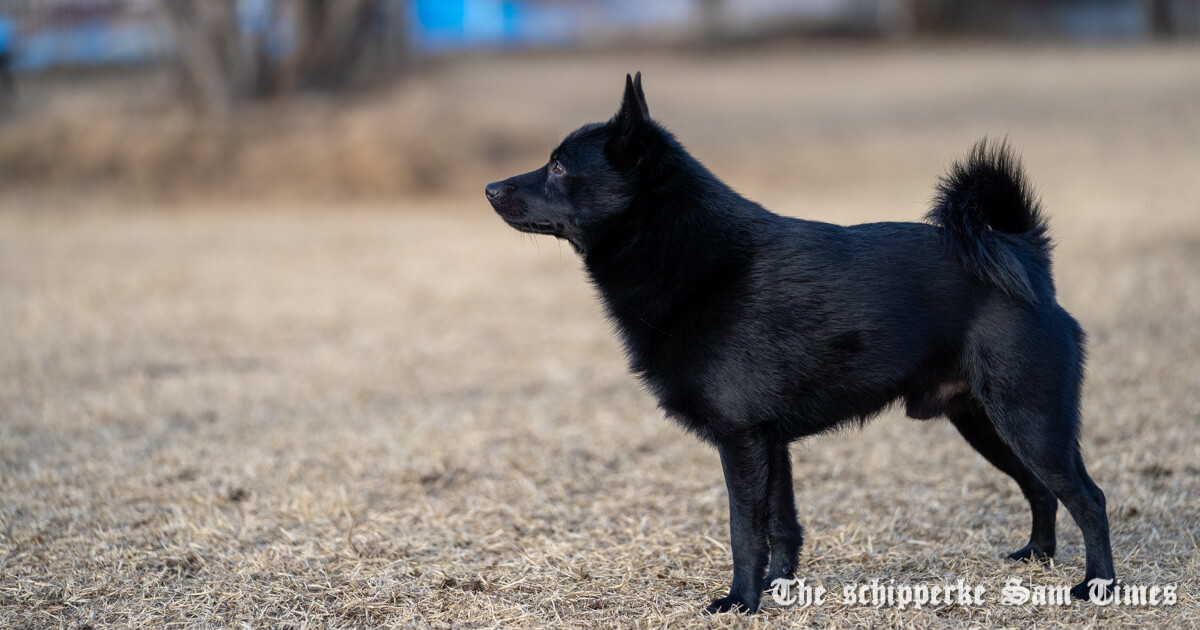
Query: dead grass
(405,414)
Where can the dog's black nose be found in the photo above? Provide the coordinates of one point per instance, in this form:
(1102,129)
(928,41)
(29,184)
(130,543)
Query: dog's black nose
(496,189)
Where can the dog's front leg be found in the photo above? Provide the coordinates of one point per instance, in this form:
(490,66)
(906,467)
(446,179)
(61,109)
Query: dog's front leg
(745,460)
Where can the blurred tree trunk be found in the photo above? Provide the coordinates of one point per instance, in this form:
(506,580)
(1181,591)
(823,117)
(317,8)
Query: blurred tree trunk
(341,40)
(227,56)
(1160,18)
(390,51)
(206,37)
(336,34)
(712,20)
(287,72)
(1173,18)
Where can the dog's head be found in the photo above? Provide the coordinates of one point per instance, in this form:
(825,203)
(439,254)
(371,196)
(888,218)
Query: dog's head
(589,178)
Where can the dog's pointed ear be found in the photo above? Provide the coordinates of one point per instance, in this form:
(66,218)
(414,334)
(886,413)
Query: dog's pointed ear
(638,94)
(633,105)
(632,121)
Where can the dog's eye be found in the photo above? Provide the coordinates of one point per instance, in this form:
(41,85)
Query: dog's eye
(557,168)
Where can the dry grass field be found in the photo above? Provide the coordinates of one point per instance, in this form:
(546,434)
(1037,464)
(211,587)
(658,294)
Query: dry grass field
(399,412)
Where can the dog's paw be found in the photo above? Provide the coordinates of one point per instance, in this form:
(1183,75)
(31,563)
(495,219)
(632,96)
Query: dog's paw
(1032,552)
(730,603)
(1084,590)
(772,575)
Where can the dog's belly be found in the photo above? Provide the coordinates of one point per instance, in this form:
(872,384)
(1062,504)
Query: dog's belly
(933,401)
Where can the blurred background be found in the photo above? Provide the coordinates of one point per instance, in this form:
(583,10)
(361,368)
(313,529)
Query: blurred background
(370,97)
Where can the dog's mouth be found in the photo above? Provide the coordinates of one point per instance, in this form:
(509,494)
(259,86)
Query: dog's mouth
(518,216)
(531,226)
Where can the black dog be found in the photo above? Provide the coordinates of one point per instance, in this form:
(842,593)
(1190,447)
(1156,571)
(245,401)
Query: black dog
(754,330)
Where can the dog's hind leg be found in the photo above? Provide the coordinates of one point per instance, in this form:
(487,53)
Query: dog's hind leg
(1046,443)
(785,536)
(974,425)
(745,460)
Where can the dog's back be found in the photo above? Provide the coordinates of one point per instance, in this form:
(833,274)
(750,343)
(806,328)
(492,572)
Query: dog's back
(754,318)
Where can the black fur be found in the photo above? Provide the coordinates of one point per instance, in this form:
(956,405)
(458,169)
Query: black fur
(754,330)
(981,200)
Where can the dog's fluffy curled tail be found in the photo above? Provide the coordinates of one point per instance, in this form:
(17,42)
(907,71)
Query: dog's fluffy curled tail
(983,198)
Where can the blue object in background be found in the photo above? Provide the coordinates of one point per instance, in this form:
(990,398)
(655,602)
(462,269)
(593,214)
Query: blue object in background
(448,25)
(89,42)
(8,31)
(451,24)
